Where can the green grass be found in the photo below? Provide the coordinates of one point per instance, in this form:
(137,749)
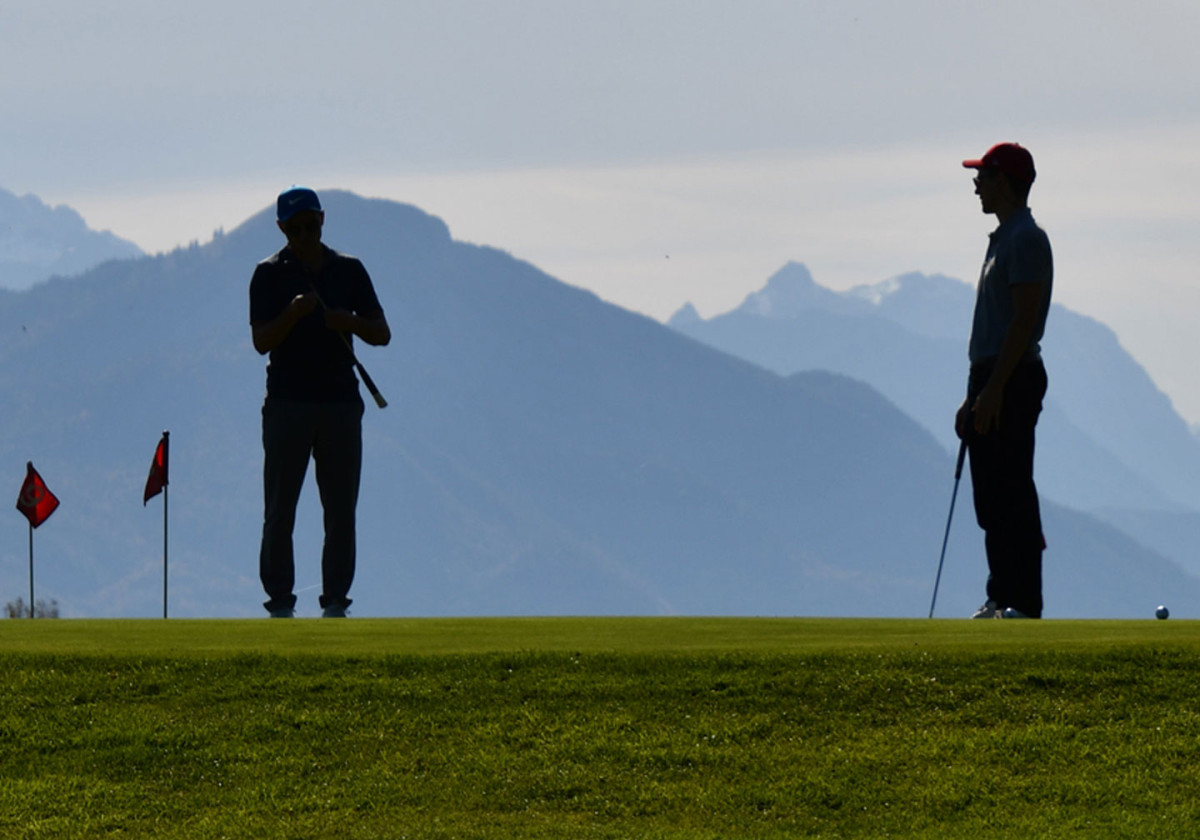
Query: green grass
(598,728)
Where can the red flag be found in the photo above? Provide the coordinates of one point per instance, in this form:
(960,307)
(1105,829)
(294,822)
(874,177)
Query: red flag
(157,479)
(36,501)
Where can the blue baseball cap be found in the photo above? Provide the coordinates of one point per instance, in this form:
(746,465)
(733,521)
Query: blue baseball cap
(295,200)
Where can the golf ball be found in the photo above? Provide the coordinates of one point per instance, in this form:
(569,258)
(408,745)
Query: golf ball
(1162,612)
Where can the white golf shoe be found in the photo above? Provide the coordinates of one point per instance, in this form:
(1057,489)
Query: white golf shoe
(990,609)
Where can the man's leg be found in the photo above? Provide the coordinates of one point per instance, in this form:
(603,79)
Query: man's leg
(287,442)
(1006,502)
(1006,507)
(1025,394)
(337,454)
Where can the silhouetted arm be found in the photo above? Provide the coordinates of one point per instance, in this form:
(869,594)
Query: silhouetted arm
(270,334)
(1027,305)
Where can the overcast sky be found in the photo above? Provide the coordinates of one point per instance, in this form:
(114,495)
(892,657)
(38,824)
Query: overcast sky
(655,152)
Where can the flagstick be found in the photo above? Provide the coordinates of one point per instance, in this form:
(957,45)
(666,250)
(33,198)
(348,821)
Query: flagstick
(165,490)
(31,570)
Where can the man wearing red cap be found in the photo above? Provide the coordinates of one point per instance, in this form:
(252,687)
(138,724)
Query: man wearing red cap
(1007,383)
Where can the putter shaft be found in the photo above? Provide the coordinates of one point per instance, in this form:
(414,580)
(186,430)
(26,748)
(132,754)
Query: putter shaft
(958,468)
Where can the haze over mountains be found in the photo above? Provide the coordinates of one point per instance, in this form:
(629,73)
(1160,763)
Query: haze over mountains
(38,242)
(544,453)
(1109,442)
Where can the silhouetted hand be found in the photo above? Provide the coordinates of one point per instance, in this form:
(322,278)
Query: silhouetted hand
(962,420)
(303,304)
(987,409)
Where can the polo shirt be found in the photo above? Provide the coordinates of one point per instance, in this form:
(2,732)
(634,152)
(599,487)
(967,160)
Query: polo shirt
(312,364)
(1018,252)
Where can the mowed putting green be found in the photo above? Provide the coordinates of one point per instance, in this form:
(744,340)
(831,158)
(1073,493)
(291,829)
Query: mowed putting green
(606,727)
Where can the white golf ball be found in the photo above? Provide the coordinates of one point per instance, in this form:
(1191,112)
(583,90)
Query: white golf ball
(1162,612)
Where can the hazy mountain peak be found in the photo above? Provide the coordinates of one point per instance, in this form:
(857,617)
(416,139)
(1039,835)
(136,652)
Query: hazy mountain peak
(685,316)
(912,282)
(1115,440)
(788,293)
(876,293)
(38,242)
(928,304)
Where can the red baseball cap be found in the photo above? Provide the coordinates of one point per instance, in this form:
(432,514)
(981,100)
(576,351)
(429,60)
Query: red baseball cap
(1010,158)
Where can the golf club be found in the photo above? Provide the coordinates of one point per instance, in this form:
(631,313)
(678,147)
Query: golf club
(958,468)
(362,371)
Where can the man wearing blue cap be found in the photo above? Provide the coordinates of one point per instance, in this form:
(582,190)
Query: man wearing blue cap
(306,302)
(1007,383)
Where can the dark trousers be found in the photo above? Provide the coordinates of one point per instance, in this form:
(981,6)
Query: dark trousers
(1006,500)
(331,433)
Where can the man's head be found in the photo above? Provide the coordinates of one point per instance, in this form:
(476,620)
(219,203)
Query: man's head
(1006,174)
(299,215)
(295,200)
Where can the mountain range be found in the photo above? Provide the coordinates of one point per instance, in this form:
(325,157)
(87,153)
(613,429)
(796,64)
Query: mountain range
(544,452)
(1109,441)
(38,242)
